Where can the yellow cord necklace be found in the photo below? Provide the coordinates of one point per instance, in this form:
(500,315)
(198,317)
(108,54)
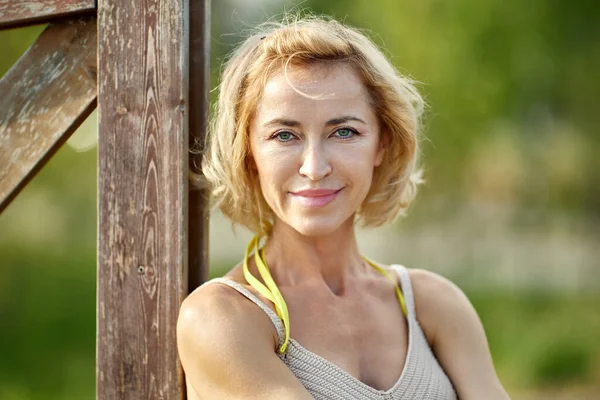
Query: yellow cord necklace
(271,291)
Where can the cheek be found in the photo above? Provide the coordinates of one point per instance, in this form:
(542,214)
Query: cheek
(360,159)
(274,168)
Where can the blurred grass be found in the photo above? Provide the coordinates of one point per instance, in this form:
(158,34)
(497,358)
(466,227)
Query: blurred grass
(47,340)
(542,339)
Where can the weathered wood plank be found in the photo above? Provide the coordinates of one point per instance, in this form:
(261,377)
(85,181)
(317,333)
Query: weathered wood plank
(144,110)
(16,13)
(198,220)
(45,96)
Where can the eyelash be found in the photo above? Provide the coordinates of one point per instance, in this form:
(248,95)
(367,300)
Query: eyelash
(354,133)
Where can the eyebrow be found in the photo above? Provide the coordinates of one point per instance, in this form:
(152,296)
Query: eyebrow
(292,123)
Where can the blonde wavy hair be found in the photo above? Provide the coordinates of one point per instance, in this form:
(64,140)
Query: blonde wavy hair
(227,164)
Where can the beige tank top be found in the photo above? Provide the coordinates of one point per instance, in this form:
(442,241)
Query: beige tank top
(422,377)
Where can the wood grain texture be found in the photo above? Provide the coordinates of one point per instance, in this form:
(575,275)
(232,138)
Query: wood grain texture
(16,13)
(44,98)
(143,112)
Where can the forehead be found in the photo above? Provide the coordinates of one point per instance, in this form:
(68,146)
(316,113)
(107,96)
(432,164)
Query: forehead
(314,90)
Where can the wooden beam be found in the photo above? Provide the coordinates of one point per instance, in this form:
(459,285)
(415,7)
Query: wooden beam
(144,118)
(44,98)
(17,13)
(198,219)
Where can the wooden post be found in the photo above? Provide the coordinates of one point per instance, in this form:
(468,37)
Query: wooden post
(153,105)
(144,112)
(199,99)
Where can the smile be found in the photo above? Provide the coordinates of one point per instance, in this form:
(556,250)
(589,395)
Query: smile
(314,198)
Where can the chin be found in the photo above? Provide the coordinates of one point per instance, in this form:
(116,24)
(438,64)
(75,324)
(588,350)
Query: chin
(315,226)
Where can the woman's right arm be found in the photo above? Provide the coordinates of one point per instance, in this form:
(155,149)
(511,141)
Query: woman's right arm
(226,351)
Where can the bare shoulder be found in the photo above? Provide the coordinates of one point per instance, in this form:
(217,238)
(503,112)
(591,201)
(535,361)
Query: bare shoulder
(227,348)
(218,313)
(425,283)
(216,329)
(422,279)
(437,301)
(456,336)
(218,305)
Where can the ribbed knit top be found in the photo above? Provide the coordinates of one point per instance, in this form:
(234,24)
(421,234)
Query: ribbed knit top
(422,377)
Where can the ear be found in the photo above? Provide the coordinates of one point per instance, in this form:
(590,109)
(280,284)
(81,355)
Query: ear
(382,148)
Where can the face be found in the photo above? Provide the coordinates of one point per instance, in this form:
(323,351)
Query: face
(315,152)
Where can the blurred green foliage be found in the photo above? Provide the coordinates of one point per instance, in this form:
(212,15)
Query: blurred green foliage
(512,89)
(541,339)
(48,284)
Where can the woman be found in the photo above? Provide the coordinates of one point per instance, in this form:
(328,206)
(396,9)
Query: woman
(315,131)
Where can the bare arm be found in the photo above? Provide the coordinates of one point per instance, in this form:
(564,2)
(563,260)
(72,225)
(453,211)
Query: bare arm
(456,336)
(227,351)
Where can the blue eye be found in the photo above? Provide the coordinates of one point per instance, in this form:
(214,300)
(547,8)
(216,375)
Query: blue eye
(283,136)
(345,133)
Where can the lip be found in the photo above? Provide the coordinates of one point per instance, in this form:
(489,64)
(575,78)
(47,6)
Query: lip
(315,197)
(316,192)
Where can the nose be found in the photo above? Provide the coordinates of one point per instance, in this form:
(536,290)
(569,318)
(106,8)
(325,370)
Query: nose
(315,163)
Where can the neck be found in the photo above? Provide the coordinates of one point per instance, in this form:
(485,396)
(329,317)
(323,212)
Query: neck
(333,260)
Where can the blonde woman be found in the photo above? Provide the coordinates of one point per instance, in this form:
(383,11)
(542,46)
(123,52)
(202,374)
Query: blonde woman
(315,132)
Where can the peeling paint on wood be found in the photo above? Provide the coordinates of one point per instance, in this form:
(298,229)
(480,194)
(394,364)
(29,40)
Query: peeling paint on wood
(143,80)
(44,98)
(16,13)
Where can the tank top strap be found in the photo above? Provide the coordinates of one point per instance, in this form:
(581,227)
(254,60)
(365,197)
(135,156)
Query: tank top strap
(406,288)
(245,292)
